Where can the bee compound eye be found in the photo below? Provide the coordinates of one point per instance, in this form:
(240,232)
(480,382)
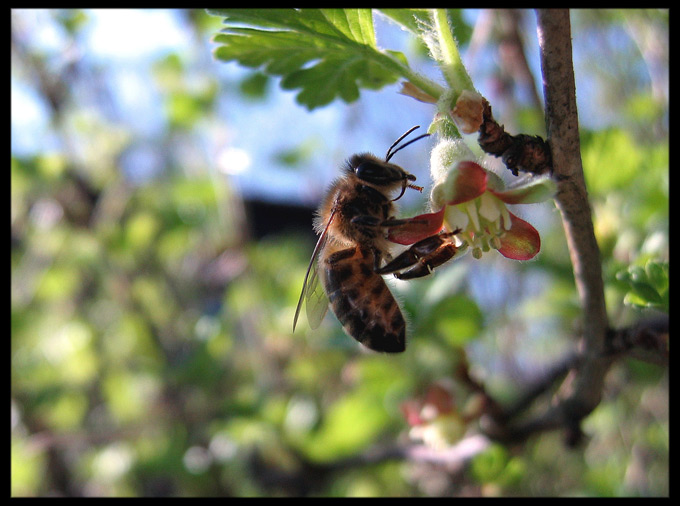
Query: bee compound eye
(368,170)
(376,173)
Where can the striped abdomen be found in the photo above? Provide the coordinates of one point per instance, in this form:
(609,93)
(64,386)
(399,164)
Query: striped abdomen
(362,302)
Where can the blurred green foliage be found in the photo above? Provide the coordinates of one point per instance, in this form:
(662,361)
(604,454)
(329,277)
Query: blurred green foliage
(151,346)
(648,285)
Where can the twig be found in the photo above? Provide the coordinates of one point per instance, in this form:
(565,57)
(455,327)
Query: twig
(545,384)
(582,390)
(309,476)
(520,152)
(645,340)
(572,198)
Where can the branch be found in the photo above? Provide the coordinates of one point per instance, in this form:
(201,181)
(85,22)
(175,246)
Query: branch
(553,374)
(308,476)
(646,340)
(554,36)
(582,390)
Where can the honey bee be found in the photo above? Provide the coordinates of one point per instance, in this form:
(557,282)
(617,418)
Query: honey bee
(345,269)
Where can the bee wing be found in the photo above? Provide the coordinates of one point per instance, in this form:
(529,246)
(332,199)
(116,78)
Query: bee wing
(316,300)
(312,291)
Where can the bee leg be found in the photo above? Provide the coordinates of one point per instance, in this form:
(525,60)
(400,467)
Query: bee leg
(395,222)
(422,257)
(377,259)
(366,220)
(343,254)
(366,223)
(400,262)
(373,222)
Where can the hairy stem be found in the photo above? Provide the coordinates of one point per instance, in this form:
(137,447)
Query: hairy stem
(420,81)
(451,65)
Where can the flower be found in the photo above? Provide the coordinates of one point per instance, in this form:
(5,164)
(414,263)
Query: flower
(473,200)
(435,419)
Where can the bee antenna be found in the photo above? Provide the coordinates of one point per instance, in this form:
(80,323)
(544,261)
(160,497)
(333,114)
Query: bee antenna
(391,153)
(388,155)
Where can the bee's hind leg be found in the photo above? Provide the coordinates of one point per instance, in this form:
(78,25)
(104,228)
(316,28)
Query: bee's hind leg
(422,257)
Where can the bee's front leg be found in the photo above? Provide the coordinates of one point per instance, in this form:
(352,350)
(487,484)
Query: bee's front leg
(368,221)
(422,257)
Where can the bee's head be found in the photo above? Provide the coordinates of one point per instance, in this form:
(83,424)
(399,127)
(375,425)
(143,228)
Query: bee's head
(381,175)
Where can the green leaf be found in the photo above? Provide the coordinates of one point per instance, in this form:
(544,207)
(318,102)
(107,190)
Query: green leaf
(646,292)
(411,19)
(355,24)
(330,24)
(657,274)
(254,86)
(324,53)
(648,285)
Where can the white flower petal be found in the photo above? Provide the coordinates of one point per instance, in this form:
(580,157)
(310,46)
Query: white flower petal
(489,207)
(455,218)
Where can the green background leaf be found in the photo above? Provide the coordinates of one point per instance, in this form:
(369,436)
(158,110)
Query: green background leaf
(324,53)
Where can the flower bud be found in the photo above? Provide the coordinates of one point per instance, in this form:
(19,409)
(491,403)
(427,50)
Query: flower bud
(467,113)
